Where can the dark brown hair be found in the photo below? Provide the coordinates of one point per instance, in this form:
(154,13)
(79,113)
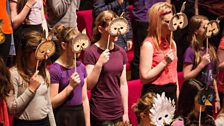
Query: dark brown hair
(29,44)
(5,82)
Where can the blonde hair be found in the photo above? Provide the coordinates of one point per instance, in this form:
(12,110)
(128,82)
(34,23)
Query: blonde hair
(194,24)
(144,104)
(64,34)
(155,14)
(101,20)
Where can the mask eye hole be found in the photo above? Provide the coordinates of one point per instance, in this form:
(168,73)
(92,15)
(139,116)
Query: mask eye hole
(166,116)
(203,98)
(160,118)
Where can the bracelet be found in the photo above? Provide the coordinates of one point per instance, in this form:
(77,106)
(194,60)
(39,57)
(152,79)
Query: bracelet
(217,100)
(28,5)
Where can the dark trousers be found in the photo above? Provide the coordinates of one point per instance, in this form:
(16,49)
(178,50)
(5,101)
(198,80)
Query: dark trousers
(5,47)
(96,122)
(42,122)
(70,116)
(139,34)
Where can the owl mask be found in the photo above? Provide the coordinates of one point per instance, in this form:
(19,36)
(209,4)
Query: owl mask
(206,96)
(118,26)
(81,42)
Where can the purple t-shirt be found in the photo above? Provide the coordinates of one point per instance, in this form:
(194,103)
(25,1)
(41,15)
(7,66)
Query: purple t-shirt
(61,75)
(207,74)
(106,101)
(141,7)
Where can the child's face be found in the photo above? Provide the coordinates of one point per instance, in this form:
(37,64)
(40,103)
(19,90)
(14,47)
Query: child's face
(108,17)
(197,105)
(165,22)
(201,29)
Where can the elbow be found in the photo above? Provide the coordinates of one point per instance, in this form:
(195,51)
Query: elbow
(186,77)
(143,79)
(89,85)
(15,25)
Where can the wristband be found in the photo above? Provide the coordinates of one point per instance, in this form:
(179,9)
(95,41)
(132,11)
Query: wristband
(28,5)
(217,100)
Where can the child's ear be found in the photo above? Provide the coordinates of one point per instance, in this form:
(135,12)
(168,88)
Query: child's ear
(63,45)
(142,115)
(100,29)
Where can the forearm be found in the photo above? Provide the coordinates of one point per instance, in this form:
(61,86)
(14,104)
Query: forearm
(94,75)
(193,73)
(86,111)
(44,23)
(124,96)
(216,91)
(17,105)
(60,98)
(151,74)
(17,20)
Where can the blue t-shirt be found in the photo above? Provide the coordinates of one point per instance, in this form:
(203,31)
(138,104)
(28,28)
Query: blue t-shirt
(61,76)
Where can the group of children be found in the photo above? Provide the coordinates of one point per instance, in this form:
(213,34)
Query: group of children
(57,95)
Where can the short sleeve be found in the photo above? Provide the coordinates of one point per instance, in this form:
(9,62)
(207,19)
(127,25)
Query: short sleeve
(189,56)
(54,74)
(89,58)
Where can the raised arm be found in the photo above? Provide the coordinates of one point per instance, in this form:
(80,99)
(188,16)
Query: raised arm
(147,73)
(57,98)
(18,18)
(95,70)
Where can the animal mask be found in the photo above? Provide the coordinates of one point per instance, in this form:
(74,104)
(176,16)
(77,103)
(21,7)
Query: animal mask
(212,28)
(118,26)
(206,96)
(2,35)
(81,42)
(162,112)
(45,50)
(179,20)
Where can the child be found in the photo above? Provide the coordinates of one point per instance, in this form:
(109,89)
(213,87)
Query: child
(30,103)
(198,63)
(106,75)
(68,82)
(188,107)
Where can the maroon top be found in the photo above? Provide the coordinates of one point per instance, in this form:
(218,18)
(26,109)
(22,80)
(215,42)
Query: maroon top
(106,101)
